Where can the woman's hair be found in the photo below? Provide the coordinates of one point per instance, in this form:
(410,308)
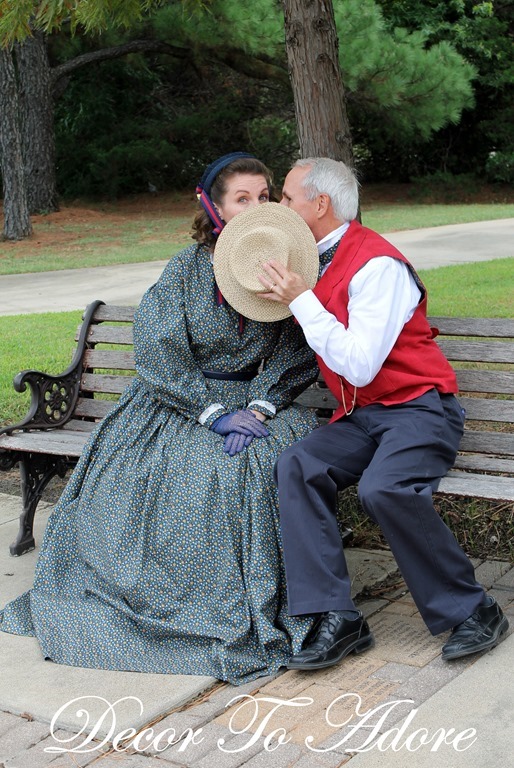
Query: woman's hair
(335,179)
(202,225)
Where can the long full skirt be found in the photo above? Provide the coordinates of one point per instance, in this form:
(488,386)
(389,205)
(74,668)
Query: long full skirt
(164,553)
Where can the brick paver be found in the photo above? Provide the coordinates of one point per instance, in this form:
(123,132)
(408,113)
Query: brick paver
(405,665)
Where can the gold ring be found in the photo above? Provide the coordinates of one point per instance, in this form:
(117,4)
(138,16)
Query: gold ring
(272,286)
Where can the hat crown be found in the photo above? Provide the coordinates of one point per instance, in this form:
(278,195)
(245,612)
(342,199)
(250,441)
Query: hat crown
(262,243)
(263,233)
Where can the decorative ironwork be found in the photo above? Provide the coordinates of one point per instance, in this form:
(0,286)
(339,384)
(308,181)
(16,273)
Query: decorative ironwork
(7,460)
(36,470)
(53,401)
(53,398)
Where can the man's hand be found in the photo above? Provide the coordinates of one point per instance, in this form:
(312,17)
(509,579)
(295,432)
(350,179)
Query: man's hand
(282,285)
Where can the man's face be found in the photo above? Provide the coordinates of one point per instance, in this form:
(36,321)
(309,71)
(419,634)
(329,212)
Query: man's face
(293,196)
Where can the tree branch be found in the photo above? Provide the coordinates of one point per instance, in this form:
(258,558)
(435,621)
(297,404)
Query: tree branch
(115,52)
(260,68)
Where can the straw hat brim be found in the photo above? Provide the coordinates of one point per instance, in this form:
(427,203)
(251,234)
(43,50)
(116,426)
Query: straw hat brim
(264,232)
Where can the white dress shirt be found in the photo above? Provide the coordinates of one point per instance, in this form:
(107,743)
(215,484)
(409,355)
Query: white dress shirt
(382,298)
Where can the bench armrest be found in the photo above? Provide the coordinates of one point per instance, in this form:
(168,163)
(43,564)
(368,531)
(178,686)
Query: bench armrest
(53,398)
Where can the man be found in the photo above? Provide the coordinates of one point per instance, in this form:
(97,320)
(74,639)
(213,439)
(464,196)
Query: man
(396,431)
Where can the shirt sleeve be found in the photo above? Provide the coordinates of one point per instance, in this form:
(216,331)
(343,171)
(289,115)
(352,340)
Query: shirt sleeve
(287,372)
(382,298)
(163,357)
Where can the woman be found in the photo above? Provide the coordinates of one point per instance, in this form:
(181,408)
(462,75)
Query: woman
(163,553)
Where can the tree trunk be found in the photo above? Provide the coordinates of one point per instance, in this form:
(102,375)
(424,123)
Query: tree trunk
(16,213)
(37,123)
(312,55)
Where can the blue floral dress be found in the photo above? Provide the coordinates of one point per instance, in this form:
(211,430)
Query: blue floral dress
(163,553)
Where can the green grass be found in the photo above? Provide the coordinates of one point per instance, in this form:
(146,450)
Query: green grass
(394,217)
(92,254)
(480,289)
(121,240)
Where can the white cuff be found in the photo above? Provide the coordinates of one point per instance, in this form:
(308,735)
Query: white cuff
(209,411)
(263,404)
(306,307)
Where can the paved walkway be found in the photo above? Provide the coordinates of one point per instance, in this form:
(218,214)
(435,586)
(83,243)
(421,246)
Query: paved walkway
(125,284)
(399,703)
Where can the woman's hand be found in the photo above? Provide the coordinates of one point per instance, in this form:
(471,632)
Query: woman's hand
(239,429)
(235,443)
(283,285)
(258,415)
(243,422)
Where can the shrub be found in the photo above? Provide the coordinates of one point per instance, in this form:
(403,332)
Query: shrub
(500,167)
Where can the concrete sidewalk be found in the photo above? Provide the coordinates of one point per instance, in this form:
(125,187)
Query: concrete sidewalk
(71,289)
(446,715)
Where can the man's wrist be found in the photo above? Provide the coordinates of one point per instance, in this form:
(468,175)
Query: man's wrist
(306,307)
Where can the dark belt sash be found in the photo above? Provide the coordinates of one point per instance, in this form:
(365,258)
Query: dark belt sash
(231,376)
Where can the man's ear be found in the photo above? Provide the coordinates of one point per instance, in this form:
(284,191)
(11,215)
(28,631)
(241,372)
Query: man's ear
(323,204)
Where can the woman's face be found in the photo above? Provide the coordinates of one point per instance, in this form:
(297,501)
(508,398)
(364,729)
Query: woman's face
(244,190)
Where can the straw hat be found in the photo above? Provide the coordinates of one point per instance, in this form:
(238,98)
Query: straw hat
(266,231)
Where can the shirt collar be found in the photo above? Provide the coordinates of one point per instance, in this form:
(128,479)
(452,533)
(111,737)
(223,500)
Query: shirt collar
(328,241)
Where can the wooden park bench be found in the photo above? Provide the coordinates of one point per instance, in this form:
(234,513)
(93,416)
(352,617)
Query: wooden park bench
(65,408)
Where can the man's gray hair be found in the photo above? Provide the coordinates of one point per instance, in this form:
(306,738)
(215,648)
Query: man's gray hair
(335,179)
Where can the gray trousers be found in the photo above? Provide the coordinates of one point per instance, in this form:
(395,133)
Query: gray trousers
(397,454)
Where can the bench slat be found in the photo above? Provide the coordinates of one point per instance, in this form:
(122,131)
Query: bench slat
(79,425)
(481,463)
(476,408)
(474,326)
(501,382)
(477,351)
(468,484)
(110,359)
(114,313)
(112,385)
(93,408)
(483,409)
(317,398)
(110,334)
(497,443)
(58,442)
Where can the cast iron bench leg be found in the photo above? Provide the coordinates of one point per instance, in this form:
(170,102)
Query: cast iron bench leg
(36,470)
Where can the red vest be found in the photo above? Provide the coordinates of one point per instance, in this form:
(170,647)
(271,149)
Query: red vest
(415,363)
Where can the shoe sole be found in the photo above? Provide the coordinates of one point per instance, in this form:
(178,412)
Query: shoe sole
(359,646)
(485,646)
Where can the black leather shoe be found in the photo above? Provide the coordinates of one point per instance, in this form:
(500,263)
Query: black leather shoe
(334,638)
(480,632)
